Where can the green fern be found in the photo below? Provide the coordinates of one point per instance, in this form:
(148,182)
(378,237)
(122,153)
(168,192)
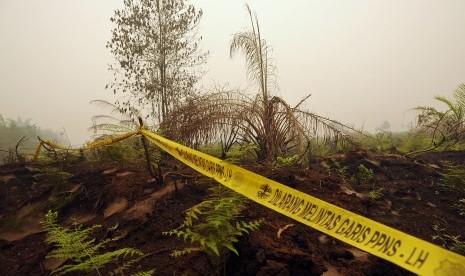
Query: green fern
(145,273)
(83,253)
(287,161)
(365,174)
(209,224)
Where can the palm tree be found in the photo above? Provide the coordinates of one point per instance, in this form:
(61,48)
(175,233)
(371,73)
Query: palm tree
(264,120)
(446,128)
(271,123)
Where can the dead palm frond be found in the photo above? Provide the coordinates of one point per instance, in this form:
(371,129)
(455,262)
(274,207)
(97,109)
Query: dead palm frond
(206,119)
(260,67)
(117,122)
(264,120)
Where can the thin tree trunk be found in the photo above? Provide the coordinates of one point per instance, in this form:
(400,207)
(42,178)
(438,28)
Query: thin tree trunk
(159,177)
(162,65)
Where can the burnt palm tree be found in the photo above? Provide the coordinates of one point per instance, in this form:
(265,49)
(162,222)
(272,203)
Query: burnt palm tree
(264,120)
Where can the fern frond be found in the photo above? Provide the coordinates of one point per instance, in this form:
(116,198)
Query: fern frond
(124,267)
(82,250)
(145,273)
(459,95)
(210,223)
(113,256)
(231,248)
(213,245)
(178,253)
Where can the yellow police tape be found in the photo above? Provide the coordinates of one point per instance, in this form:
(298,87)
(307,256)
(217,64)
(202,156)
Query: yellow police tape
(95,144)
(404,250)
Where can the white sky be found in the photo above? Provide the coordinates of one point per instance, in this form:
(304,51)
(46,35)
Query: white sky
(364,61)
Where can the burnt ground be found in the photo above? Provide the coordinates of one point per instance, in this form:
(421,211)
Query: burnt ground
(404,193)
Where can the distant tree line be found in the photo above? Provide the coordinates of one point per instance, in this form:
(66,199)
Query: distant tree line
(14,131)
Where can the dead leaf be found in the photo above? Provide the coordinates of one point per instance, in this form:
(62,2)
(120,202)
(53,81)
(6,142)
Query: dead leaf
(281,230)
(53,263)
(117,206)
(109,171)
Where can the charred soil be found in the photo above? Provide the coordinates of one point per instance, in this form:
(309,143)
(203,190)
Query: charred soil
(404,193)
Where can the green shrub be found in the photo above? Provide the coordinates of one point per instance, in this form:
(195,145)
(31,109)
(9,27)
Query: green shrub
(452,243)
(415,142)
(241,153)
(213,149)
(454,176)
(378,193)
(123,152)
(319,148)
(286,161)
(365,174)
(381,140)
(460,207)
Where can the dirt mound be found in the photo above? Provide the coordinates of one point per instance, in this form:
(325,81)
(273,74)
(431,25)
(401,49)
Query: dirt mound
(405,193)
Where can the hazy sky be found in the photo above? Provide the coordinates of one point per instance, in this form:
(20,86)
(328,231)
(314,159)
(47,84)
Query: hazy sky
(363,61)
